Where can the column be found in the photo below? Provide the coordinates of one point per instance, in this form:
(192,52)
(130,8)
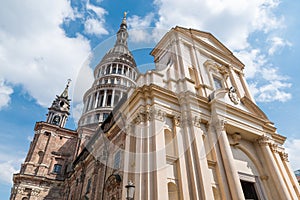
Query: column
(264,142)
(228,161)
(275,149)
(201,161)
(184,182)
(112,98)
(110,68)
(160,173)
(284,157)
(104,98)
(242,78)
(233,81)
(122,69)
(96,101)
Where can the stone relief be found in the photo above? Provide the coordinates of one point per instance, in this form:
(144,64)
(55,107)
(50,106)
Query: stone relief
(233,95)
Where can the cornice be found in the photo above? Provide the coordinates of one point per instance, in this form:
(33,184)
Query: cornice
(54,128)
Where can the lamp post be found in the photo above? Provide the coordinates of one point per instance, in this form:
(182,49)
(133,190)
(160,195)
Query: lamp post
(130,190)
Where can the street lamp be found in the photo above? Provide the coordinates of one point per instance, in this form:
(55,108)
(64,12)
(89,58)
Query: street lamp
(130,190)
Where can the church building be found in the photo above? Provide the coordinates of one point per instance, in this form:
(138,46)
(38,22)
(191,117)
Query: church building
(187,130)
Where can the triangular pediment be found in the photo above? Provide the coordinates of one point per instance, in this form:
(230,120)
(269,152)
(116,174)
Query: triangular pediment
(253,108)
(208,39)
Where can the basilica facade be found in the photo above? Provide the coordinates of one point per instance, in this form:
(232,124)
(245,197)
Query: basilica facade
(189,129)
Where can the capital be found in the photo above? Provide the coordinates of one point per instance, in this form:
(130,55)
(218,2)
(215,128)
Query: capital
(264,140)
(284,156)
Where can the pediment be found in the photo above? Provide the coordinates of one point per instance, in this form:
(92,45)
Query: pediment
(253,108)
(208,39)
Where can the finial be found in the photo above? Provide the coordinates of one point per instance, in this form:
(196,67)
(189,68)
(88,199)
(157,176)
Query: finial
(69,81)
(65,92)
(124,19)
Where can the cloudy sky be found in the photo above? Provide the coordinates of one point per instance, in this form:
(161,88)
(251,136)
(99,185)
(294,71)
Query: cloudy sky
(45,42)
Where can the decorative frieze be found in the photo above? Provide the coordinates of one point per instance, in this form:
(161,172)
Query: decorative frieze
(35,192)
(20,190)
(148,114)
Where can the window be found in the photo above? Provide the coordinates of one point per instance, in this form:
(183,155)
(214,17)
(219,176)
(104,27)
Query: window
(108,102)
(107,69)
(117,160)
(57,168)
(88,187)
(105,115)
(249,190)
(100,101)
(217,83)
(56,120)
(119,71)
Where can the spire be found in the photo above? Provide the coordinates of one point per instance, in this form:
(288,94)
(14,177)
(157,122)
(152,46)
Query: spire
(64,94)
(122,35)
(60,109)
(124,23)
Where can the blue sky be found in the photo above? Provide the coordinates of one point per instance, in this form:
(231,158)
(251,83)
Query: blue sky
(43,43)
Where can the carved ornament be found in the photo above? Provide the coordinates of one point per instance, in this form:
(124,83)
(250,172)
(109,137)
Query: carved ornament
(264,140)
(233,95)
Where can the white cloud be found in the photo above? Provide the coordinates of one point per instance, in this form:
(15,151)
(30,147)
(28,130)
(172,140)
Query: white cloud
(95,26)
(77,111)
(35,51)
(10,162)
(5,92)
(7,169)
(139,28)
(253,60)
(98,10)
(277,43)
(273,91)
(293,148)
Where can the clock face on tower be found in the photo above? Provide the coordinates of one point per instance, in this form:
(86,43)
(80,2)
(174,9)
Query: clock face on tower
(56,120)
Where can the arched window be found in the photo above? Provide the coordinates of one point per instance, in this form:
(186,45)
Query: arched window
(172,191)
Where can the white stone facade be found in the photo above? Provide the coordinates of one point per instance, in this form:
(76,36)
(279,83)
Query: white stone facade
(189,129)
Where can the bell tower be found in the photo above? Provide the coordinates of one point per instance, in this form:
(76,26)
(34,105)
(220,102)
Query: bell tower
(60,109)
(50,155)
